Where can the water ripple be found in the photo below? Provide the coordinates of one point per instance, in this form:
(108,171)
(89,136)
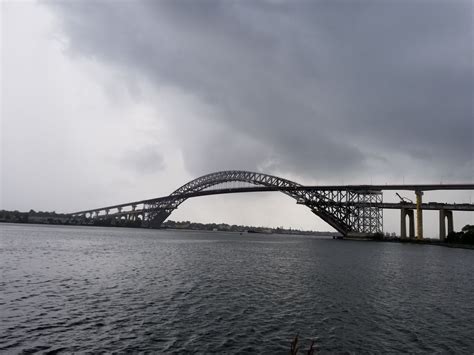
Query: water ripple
(77,289)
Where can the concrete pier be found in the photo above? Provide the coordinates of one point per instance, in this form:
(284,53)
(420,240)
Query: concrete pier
(443,215)
(411,223)
(419,215)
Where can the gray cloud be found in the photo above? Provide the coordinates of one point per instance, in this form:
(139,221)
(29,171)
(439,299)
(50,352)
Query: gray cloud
(144,160)
(313,87)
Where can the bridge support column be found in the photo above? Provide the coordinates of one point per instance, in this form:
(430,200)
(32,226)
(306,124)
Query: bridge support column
(132,215)
(419,215)
(449,215)
(158,219)
(443,214)
(411,223)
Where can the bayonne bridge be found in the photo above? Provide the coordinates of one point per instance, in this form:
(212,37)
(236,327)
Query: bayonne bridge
(353,210)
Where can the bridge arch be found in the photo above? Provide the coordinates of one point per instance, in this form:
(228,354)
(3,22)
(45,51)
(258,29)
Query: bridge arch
(159,211)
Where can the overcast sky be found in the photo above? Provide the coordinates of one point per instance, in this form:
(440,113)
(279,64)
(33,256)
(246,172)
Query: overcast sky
(112,101)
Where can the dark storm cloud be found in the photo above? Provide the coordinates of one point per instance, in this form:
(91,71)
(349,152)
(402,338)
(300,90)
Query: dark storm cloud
(326,87)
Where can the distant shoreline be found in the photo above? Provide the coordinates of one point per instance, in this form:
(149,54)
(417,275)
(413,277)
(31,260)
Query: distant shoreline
(61,219)
(431,242)
(188,226)
(413,241)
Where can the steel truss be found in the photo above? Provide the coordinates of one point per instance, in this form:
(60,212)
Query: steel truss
(349,212)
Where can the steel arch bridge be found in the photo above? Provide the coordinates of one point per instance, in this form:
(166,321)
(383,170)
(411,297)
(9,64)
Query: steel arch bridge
(350,212)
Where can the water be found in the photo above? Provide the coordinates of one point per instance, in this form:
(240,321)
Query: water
(109,289)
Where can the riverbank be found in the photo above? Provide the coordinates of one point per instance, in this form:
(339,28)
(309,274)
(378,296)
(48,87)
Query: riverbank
(436,242)
(172,225)
(423,242)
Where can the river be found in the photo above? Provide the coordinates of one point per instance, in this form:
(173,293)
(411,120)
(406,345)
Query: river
(77,289)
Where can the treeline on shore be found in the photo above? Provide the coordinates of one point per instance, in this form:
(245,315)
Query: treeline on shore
(42,217)
(465,236)
(33,217)
(224,227)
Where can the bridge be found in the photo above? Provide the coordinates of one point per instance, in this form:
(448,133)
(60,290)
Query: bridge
(353,210)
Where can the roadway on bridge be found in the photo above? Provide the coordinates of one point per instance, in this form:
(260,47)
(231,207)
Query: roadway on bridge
(422,187)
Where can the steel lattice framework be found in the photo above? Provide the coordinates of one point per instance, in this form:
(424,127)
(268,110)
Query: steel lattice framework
(349,212)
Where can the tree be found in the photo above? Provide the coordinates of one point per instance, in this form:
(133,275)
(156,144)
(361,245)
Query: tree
(465,236)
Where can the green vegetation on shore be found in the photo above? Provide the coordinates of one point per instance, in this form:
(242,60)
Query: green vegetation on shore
(64,219)
(224,227)
(33,217)
(465,236)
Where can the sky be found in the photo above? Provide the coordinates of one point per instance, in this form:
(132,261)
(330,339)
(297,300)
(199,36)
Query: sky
(104,102)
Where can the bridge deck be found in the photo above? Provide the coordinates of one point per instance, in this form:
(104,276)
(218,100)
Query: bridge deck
(424,206)
(434,206)
(360,188)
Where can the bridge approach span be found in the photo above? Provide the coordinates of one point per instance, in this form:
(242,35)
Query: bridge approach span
(359,188)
